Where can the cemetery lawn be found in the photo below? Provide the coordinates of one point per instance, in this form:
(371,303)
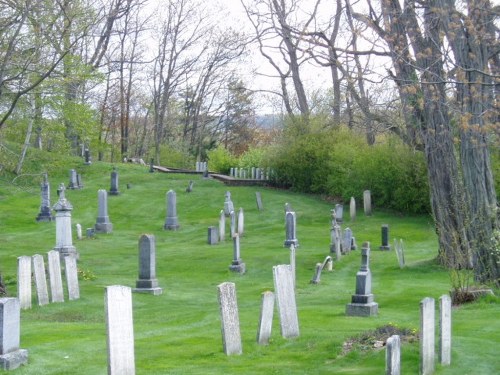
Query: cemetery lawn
(179,331)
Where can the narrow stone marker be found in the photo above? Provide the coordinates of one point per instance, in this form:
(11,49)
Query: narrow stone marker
(445,330)
(367,202)
(42,291)
(317,274)
(72,278)
(73,182)
(339,213)
(232,223)
(113,190)
(385,237)
(237,265)
(230,321)
(78,231)
(24,281)
(171,221)
(120,330)
(258,198)
(352,209)
(427,336)
(45,213)
(241,222)
(285,298)
(347,241)
(292,262)
(55,278)
(393,356)
(147,282)
(11,357)
(228,204)
(212,235)
(103,225)
(222,226)
(266,318)
(291,229)
(64,238)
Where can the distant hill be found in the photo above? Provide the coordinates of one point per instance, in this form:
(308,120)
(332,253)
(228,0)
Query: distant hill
(269,121)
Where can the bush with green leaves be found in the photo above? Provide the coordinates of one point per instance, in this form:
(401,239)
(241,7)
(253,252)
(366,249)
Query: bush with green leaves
(176,156)
(220,160)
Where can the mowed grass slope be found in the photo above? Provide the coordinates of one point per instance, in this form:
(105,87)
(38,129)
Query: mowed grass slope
(179,331)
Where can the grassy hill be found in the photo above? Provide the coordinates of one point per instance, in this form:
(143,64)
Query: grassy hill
(178,332)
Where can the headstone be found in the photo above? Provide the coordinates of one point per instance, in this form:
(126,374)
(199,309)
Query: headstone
(228,204)
(72,278)
(90,232)
(79,181)
(24,281)
(147,281)
(120,330)
(445,330)
(113,190)
(290,230)
(231,172)
(73,182)
(171,222)
(385,237)
(151,166)
(339,213)
(426,338)
(11,357)
(232,223)
(347,243)
(285,297)
(266,318)
(352,209)
(393,356)
(222,226)
(197,166)
(354,246)
(189,189)
(88,159)
(317,274)
(230,321)
(258,198)
(103,225)
(398,247)
(241,222)
(45,213)
(55,278)
(79,231)
(40,280)
(367,202)
(362,303)
(328,264)
(213,235)
(292,261)
(237,264)
(64,240)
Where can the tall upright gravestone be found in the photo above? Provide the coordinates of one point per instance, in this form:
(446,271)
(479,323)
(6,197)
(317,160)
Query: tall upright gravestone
(40,280)
(103,225)
(445,329)
(24,281)
(64,240)
(113,190)
(230,321)
(266,318)
(73,180)
(393,356)
(222,226)
(237,265)
(45,213)
(71,271)
(352,209)
(426,339)
(285,297)
(55,279)
(171,222)
(147,281)
(11,357)
(228,204)
(367,202)
(290,229)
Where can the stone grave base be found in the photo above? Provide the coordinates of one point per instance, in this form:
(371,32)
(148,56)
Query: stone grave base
(362,309)
(103,227)
(385,248)
(67,251)
(154,291)
(13,360)
(238,267)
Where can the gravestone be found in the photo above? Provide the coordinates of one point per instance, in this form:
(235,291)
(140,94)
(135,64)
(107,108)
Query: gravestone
(90,232)
(237,264)
(336,241)
(385,238)
(284,289)
(398,247)
(393,356)
(79,181)
(45,213)
(171,222)
(103,225)
(288,208)
(362,303)
(88,159)
(354,245)
(445,330)
(292,261)
(231,172)
(189,189)
(291,230)
(266,318)
(213,235)
(367,202)
(78,231)
(241,222)
(40,280)
(24,281)
(258,198)
(328,264)
(426,338)
(339,213)
(73,181)
(317,274)
(222,226)
(120,330)
(352,209)
(64,239)
(147,281)
(151,166)
(55,278)
(232,223)
(72,278)
(252,173)
(11,356)
(228,204)
(113,190)
(347,243)
(230,321)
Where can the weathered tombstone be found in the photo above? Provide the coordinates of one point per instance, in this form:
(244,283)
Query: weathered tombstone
(171,222)
(90,232)
(88,159)
(291,230)
(103,225)
(426,338)
(151,166)
(73,182)
(113,190)
(385,237)
(64,240)
(354,246)
(222,226)
(189,189)
(252,173)
(213,235)
(335,241)
(55,278)
(230,321)
(40,280)
(72,278)
(367,202)
(232,223)
(328,263)
(241,222)
(285,297)
(317,274)
(445,330)
(346,247)
(393,356)
(147,281)
(45,213)
(120,330)
(398,247)
(266,318)
(352,209)
(237,264)
(197,166)
(231,172)
(258,198)
(11,357)
(228,204)
(339,213)
(79,231)
(79,181)
(362,303)
(292,261)
(24,281)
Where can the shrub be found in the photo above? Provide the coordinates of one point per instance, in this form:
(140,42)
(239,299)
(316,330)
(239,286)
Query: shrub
(176,156)
(220,160)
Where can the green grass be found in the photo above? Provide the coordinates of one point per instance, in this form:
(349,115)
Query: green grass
(179,331)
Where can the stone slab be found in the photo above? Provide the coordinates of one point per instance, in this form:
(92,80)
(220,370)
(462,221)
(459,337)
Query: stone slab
(42,291)
(285,298)
(230,321)
(362,309)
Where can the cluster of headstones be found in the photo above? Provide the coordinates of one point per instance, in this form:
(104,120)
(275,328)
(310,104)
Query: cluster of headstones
(252,173)
(201,166)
